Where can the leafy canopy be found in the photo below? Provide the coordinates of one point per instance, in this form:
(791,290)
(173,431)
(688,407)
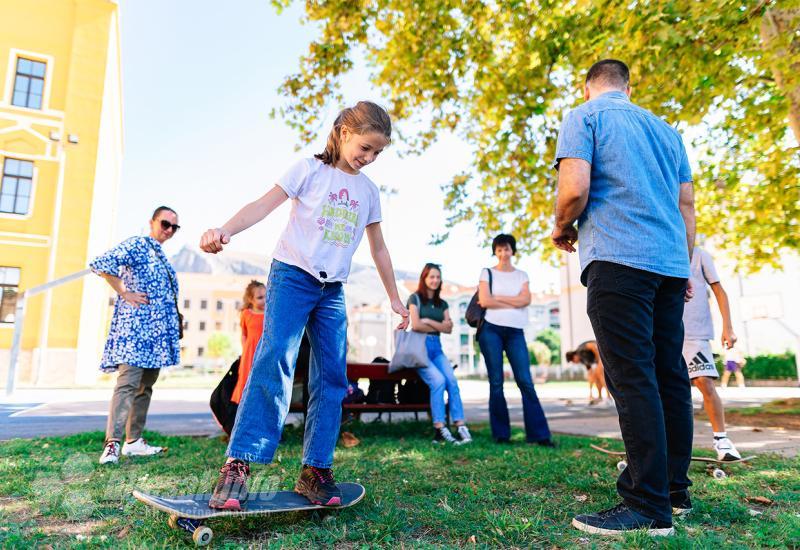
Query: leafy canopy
(503,73)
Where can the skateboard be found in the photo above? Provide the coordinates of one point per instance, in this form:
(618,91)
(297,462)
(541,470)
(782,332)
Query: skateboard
(188,512)
(713,466)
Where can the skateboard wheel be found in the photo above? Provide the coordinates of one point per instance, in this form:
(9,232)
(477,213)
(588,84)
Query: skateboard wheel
(202,535)
(719,474)
(621,465)
(173,521)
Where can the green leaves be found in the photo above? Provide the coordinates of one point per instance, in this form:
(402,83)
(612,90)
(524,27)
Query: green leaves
(502,75)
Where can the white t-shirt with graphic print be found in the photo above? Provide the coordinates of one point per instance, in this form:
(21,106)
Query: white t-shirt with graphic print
(330,210)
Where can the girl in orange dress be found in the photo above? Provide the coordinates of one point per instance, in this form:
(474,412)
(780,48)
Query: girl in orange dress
(252,323)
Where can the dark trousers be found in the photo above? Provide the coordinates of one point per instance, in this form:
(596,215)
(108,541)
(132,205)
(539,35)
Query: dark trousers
(494,340)
(637,319)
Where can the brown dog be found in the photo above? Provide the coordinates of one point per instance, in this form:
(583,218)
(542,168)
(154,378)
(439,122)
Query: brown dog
(588,355)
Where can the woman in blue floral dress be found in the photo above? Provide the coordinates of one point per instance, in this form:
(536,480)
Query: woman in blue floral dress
(145,330)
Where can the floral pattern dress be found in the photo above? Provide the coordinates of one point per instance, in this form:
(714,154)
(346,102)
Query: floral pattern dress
(145,336)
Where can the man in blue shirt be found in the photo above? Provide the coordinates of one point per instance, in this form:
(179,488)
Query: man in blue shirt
(625,178)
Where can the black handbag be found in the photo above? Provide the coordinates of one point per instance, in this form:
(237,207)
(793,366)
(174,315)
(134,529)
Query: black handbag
(475,314)
(223,409)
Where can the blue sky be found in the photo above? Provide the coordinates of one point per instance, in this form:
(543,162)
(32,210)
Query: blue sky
(200,79)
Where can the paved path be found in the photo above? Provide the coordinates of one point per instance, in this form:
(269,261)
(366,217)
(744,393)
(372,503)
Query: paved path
(33,413)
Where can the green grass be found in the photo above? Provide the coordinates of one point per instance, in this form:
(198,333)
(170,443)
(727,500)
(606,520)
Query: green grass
(53,493)
(780,406)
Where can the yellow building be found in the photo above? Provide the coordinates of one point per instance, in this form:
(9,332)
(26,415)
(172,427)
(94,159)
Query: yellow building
(60,156)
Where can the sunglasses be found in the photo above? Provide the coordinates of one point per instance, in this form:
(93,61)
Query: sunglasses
(166,225)
(433,265)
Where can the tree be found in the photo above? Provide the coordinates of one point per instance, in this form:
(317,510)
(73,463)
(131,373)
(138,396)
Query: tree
(551,339)
(540,353)
(502,75)
(220,346)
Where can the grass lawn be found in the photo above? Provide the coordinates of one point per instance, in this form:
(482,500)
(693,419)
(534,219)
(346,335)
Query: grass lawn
(54,494)
(781,413)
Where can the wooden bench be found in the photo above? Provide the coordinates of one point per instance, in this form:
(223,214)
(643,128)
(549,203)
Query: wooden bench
(369,371)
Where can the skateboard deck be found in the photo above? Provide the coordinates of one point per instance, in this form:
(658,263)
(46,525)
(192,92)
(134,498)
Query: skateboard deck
(196,506)
(188,511)
(705,459)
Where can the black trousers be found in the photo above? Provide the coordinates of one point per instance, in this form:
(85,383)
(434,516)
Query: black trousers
(637,318)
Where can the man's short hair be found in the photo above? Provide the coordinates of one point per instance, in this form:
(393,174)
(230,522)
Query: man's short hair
(610,72)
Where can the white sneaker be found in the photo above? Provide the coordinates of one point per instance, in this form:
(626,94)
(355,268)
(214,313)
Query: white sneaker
(726,450)
(140,448)
(110,453)
(463,436)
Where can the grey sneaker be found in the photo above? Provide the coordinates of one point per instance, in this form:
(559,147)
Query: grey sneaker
(463,436)
(443,435)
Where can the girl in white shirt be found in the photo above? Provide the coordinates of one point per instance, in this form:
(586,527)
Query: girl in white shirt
(333,205)
(506,304)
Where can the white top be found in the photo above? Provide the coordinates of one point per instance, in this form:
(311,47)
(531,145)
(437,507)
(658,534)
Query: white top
(507,283)
(697,324)
(330,210)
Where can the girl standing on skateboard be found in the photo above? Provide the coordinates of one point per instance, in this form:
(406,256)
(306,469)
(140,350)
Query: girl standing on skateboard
(333,204)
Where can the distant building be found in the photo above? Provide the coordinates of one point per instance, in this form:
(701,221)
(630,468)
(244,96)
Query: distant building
(211,291)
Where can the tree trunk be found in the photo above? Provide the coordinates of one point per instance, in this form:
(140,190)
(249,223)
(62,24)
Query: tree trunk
(775,26)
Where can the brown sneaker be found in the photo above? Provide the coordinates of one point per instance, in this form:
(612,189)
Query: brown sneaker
(318,486)
(231,490)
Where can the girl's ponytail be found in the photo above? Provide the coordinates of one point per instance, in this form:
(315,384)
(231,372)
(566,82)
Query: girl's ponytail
(364,117)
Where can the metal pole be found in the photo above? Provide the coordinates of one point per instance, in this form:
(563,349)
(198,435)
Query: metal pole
(19,317)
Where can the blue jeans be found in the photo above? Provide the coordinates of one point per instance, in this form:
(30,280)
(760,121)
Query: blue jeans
(438,375)
(493,340)
(295,301)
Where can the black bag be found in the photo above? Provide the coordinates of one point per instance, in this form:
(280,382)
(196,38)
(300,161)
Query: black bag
(475,313)
(223,409)
(381,391)
(413,392)
(355,395)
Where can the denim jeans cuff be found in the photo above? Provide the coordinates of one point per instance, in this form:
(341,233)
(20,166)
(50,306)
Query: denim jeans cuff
(251,457)
(317,463)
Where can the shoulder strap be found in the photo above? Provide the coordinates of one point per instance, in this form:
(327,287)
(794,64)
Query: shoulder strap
(169,275)
(490,279)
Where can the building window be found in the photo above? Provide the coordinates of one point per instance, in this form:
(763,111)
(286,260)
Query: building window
(200,351)
(186,325)
(464,339)
(202,326)
(203,304)
(218,325)
(15,189)
(9,288)
(187,304)
(220,305)
(238,305)
(29,83)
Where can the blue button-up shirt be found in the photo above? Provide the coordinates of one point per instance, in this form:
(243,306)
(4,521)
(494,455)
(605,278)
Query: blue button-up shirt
(638,163)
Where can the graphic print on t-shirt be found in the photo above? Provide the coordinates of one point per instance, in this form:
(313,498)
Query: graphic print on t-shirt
(339,219)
